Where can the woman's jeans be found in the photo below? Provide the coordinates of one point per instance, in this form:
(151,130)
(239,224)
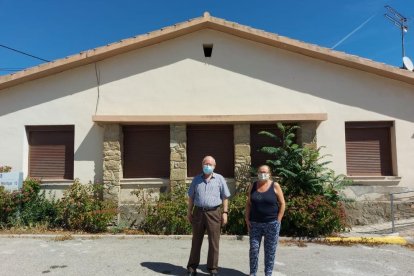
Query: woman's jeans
(270,231)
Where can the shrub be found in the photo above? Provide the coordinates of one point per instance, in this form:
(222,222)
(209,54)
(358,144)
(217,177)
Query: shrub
(5,169)
(236,224)
(312,216)
(27,207)
(167,215)
(34,207)
(83,208)
(6,201)
(7,207)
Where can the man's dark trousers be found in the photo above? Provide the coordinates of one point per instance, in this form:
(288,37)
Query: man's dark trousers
(202,221)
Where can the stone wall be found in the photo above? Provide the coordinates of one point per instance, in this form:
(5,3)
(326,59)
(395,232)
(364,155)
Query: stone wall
(178,156)
(373,205)
(112,161)
(371,212)
(242,158)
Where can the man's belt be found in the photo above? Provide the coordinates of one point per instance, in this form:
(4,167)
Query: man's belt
(206,209)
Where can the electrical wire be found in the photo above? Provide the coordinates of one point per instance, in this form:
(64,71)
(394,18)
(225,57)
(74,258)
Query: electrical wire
(98,84)
(11,69)
(23,53)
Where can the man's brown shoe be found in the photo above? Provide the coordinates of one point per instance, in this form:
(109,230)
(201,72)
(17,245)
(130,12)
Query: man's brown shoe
(191,272)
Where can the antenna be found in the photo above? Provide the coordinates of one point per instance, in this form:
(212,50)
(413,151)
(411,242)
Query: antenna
(400,21)
(397,14)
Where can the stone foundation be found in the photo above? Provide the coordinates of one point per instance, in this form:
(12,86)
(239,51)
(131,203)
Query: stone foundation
(372,204)
(371,212)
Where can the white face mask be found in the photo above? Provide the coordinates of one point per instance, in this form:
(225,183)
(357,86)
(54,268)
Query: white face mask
(263,176)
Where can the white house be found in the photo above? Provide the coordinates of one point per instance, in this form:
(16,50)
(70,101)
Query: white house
(142,112)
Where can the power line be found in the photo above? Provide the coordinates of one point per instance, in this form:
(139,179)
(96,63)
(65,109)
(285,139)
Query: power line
(11,69)
(15,50)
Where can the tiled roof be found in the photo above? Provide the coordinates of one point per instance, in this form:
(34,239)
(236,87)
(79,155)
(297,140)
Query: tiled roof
(199,23)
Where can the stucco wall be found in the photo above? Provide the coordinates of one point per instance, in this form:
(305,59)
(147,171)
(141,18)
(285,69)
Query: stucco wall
(67,98)
(174,78)
(244,77)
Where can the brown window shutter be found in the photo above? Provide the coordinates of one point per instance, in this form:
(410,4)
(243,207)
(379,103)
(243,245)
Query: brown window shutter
(214,140)
(368,148)
(51,151)
(257,141)
(146,151)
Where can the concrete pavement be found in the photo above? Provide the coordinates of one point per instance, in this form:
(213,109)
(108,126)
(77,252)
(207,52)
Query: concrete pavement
(167,255)
(137,255)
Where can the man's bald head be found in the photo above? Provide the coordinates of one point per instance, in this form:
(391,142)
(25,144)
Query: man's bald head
(209,160)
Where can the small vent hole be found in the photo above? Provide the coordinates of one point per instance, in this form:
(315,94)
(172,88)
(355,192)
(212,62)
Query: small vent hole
(208,49)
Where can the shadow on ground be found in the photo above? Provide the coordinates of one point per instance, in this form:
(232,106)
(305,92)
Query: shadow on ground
(170,269)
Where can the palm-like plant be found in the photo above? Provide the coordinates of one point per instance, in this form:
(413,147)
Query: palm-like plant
(300,169)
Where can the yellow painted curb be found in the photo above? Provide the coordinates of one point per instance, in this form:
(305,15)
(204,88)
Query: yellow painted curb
(373,240)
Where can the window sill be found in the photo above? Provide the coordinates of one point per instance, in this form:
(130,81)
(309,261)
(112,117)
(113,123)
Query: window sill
(56,183)
(375,180)
(144,182)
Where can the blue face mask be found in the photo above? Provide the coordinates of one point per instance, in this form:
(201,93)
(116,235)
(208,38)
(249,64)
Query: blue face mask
(207,169)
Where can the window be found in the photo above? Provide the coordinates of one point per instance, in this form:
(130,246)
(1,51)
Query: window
(214,140)
(368,148)
(51,151)
(257,141)
(146,151)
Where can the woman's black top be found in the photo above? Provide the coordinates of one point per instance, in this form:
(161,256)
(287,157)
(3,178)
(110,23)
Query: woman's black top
(263,206)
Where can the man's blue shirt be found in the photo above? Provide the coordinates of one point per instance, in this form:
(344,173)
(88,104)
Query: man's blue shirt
(208,194)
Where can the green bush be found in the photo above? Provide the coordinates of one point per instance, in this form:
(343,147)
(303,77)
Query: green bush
(5,169)
(301,169)
(312,216)
(236,224)
(83,208)
(34,207)
(167,215)
(27,207)
(7,207)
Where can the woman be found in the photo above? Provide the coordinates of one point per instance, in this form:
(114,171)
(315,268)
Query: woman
(264,212)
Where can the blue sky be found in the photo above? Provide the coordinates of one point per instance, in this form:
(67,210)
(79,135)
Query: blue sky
(52,29)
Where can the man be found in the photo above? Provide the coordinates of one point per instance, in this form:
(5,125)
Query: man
(207,192)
